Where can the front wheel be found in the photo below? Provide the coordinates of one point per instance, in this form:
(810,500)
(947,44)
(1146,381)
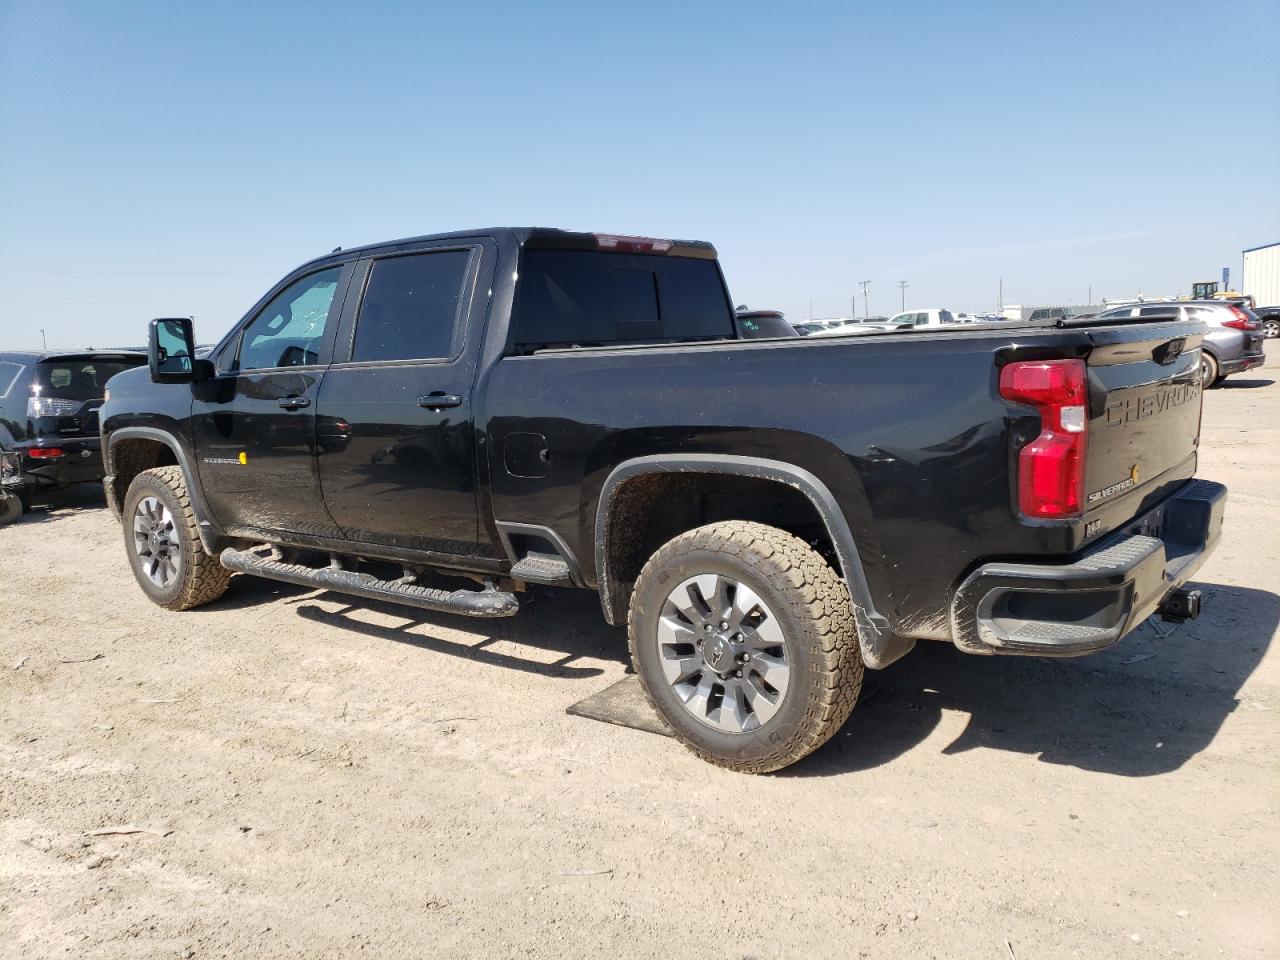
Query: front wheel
(163,542)
(745,643)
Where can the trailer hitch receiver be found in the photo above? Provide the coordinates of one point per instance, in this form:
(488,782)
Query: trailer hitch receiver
(1181,605)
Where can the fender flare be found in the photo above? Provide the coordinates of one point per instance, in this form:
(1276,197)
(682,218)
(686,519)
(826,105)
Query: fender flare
(210,533)
(880,646)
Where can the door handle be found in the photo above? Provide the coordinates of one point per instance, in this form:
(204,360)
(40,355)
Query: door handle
(293,403)
(438,400)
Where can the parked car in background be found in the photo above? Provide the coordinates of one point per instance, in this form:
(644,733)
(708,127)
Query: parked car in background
(1270,319)
(49,418)
(932,317)
(1234,341)
(761,324)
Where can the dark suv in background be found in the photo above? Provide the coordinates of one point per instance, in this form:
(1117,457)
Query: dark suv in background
(49,417)
(1234,341)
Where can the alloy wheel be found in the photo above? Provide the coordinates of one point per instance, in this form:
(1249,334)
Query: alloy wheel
(155,541)
(724,653)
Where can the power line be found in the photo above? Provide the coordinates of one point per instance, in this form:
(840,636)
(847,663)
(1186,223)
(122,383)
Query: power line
(144,273)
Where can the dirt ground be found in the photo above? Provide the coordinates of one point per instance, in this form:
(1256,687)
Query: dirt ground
(320,778)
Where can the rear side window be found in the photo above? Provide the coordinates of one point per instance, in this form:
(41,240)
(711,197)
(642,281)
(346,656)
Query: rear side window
(8,373)
(585,298)
(1158,313)
(410,308)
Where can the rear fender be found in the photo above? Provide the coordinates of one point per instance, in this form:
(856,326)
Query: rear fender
(880,646)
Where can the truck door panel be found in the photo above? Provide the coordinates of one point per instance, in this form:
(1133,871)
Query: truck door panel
(397,448)
(254,424)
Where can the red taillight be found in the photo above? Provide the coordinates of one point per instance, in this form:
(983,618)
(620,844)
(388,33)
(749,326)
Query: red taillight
(1051,467)
(1241,322)
(44,453)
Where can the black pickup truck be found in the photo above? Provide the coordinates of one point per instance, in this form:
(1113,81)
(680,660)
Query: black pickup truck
(767,516)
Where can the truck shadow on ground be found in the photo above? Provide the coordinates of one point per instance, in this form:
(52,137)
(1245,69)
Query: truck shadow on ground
(1142,708)
(1243,384)
(550,622)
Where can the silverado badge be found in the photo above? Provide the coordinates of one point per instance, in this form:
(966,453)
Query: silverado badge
(1134,474)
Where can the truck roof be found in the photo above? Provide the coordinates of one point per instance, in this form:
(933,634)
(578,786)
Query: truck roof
(550,237)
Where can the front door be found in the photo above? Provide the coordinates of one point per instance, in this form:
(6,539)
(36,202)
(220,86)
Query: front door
(397,451)
(254,424)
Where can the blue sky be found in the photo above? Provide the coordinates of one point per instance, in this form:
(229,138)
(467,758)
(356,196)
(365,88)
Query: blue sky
(177,158)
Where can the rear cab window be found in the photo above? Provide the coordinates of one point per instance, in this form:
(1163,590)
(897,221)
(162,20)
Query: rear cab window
(568,298)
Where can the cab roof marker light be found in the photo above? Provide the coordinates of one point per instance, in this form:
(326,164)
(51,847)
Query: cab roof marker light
(610,241)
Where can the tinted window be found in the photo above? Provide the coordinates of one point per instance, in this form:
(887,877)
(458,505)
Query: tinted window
(8,373)
(76,379)
(945,316)
(1158,313)
(587,298)
(1122,314)
(410,308)
(289,332)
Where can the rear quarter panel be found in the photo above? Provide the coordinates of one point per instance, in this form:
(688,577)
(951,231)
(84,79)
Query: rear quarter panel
(907,433)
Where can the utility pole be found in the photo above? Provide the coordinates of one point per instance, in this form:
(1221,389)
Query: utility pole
(44,339)
(1000,297)
(866,310)
(811,308)
(1090,300)
(902,285)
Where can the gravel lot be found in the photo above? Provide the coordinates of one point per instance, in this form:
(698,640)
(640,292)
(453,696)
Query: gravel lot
(320,778)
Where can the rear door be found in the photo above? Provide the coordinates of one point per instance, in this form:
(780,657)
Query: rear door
(254,424)
(397,450)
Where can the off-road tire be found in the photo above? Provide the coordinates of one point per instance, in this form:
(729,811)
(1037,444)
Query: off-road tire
(812,605)
(202,579)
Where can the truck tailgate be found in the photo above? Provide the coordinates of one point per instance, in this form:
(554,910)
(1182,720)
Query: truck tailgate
(1144,418)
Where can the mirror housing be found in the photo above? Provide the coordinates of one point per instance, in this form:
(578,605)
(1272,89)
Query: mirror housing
(171,351)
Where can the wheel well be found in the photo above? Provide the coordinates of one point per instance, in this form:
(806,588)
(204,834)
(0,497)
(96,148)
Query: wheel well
(129,457)
(648,510)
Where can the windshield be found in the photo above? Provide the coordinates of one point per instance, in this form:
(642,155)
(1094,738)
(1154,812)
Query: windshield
(77,379)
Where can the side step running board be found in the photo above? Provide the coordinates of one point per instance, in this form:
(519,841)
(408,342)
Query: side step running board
(470,603)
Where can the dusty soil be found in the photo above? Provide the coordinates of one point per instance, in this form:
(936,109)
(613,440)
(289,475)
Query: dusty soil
(329,779)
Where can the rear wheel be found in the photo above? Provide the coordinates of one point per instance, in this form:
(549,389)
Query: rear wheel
(1271,327)
(745,643)
(1208,370)
(163,542)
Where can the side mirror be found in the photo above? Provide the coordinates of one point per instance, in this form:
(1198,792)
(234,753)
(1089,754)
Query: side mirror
(171,351)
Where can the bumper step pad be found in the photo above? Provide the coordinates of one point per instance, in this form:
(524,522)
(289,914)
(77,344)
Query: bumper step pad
(1064,610)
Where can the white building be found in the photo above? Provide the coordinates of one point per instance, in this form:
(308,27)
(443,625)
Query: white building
(1262,274)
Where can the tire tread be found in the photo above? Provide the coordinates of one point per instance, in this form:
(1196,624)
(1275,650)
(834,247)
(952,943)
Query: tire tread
(204,578)
(817,595)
